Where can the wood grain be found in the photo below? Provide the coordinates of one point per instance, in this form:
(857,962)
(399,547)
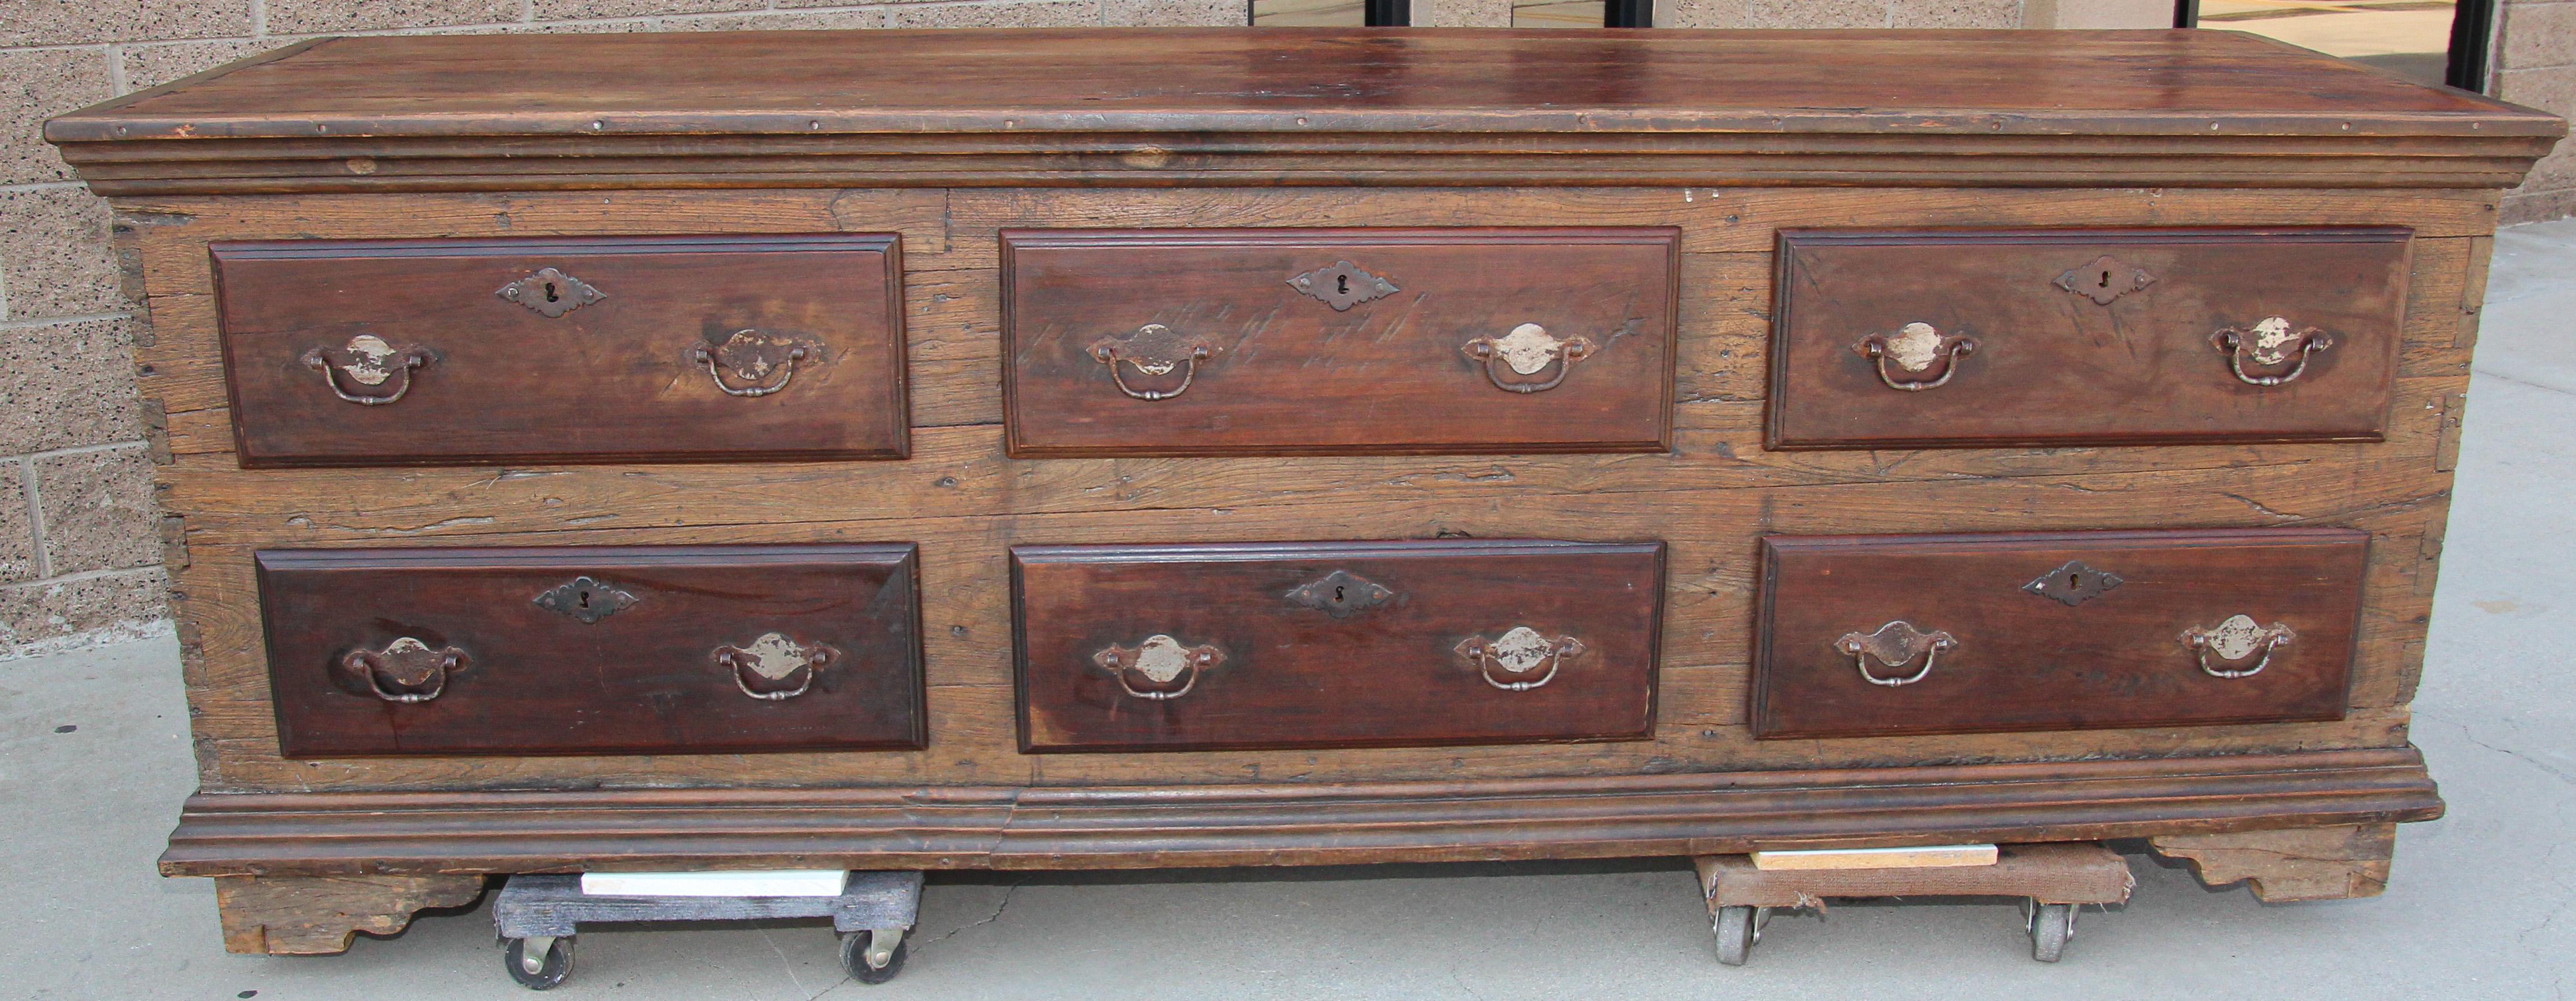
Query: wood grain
(321,915)
(2316,863)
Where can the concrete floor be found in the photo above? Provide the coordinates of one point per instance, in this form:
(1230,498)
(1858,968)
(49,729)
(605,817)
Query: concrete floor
(94,759)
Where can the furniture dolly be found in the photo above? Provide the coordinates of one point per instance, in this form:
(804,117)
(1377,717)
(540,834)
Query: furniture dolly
(1056,449)
(538,915)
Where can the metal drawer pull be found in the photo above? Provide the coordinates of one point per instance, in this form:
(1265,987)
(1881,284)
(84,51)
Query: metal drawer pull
(1528,350)
(2270,345)
(1154,350)
(1915,348)
(419,673)
(368,361)
(1896,644)
(750,355)
(1158,661)
(2234,640)
(774,658)
(1519,652)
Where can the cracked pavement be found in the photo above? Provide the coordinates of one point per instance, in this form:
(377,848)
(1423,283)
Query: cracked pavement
(2477,908)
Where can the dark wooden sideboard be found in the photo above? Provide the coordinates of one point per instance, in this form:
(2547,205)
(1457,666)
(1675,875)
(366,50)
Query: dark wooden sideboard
(1056,449)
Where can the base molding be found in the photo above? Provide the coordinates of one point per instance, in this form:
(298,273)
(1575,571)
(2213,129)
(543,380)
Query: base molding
(2317,863)
(457,832)
(320,915)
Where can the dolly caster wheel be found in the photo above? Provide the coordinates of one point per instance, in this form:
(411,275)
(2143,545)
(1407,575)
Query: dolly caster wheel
(2051,927)
(873,957)
(1737,929)
(551,964)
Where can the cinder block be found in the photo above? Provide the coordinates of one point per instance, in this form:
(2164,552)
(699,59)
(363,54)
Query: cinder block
(1053,14)
(153,65)
(1175,13)
(84,22)
(321,17)
(17,525)
(1816,14)
(66,385)
(568,10)
(48,615)
(98,509)
(35,85)
(1463,13)
(2533,35)
(1699,13)
(1956,14)
(830,20)
(55,258)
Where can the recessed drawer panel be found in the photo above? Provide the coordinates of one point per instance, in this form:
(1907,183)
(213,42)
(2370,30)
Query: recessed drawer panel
(1871,635)
(1968,338)
(1335,644)
(1311,341)
(606,349)
(607,650)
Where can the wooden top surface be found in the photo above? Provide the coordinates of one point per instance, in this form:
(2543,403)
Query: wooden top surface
(2193,82)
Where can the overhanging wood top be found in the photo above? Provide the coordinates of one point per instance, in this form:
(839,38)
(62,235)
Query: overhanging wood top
(1392,105)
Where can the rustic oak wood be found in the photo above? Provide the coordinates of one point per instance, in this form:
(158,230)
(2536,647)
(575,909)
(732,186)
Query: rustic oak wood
(1235,106)
(321,915)
(2124,356)
(609,371)
(2029,661)
(1386,366)
(1369,658)
(639,667)
(2311,863)
(1716,141)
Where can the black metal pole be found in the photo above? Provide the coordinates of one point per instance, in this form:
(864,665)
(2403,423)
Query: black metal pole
(1388,13)
(1628,14)
(2472,31)
(2186,13)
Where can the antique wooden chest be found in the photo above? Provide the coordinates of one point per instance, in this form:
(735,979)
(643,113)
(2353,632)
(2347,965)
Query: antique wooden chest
(1050,449)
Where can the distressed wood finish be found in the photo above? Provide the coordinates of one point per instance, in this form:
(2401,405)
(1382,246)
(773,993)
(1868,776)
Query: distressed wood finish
(1236,107)
(2020,659)
(2083,336)
(622,349)
(1715,142)
(1335,644)
(556,650)
(2312,863)
(1203,342)
(321,915)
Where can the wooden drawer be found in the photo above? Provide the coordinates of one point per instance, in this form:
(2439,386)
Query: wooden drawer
(607,650)
(1335,644)
(1315,341)
(2091,337)
(596,349)
(2054,630)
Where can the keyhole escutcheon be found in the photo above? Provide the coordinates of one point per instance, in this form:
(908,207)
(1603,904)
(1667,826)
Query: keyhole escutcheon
(550,293)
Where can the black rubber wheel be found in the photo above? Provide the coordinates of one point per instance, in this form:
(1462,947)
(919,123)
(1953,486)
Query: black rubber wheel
(557,964)
(854,956)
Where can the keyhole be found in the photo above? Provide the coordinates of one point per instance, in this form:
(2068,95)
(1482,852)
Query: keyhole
(2106,280)
(1344,286)
(1337,596)
(2073,582)
(550,292)
(582,598)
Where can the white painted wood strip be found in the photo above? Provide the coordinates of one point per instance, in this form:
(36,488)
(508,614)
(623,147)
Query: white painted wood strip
(1916,857)
(738,883)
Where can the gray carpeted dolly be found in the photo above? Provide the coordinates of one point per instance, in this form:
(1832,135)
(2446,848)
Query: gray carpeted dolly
(537,916)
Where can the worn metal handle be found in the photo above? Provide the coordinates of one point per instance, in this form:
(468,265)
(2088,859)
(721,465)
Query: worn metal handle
(2233,641)
(1916,348)
(411,664)
(1154,350)
(2270,344)
(1519,652)
(751,356)
(1158,662)
(1896,644)
(774,658)
(368,360)
(1528,350)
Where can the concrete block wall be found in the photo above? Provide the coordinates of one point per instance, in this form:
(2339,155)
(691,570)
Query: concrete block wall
(2534,63)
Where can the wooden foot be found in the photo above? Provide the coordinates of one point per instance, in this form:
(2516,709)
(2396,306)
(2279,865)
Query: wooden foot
(319,915)
(2309,863)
